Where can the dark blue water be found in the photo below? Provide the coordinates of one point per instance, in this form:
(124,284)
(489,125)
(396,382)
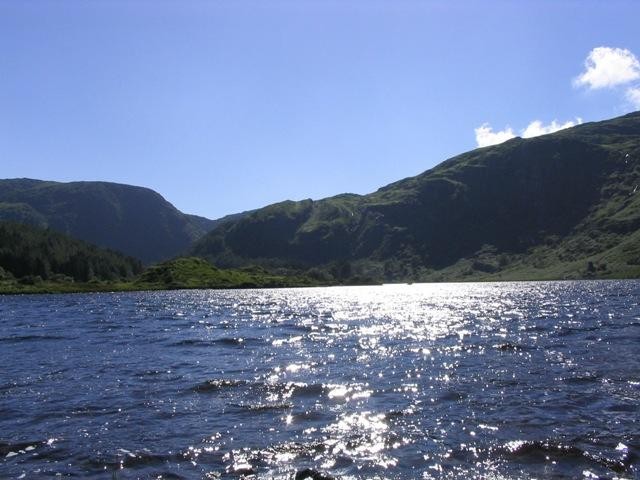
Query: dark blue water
(517,380)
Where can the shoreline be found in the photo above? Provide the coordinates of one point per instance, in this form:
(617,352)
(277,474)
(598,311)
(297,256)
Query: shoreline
(52,289)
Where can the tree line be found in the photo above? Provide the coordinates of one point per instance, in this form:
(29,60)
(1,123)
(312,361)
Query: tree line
(30,252)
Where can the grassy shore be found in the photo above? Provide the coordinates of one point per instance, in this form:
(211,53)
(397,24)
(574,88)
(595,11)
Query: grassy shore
(181,273)
(196,273)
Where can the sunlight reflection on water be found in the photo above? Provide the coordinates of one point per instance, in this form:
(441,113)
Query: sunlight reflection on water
(516,380)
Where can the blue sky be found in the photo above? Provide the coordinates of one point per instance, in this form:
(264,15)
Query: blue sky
(223,106)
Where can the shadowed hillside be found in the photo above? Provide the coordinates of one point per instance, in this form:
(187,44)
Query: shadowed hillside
(134,220)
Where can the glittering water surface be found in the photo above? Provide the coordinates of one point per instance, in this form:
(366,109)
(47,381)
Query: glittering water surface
(512,380)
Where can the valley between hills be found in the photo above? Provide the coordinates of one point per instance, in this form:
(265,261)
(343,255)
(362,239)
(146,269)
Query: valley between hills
(559,206)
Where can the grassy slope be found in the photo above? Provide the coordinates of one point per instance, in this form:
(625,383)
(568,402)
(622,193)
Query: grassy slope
(526,209)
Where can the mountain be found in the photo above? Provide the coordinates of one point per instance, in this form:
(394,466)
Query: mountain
(134,220)
(564,205)
(30,254)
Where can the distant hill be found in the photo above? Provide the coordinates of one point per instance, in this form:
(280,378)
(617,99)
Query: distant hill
(565,205)
(134,220)
(30,254)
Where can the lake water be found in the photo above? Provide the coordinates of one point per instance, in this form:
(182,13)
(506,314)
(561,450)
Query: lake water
(502,380)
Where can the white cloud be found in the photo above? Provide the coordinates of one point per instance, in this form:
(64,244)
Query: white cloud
(608,67)
(633,95)
(605,67)
(536,127)
(485,135)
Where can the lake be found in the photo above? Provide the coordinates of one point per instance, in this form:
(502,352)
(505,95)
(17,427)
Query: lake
(493,380)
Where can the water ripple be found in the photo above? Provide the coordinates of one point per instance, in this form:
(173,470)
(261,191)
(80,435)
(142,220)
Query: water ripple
(511,380)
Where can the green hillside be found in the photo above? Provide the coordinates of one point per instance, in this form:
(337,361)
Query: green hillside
(133,220)
(565,205)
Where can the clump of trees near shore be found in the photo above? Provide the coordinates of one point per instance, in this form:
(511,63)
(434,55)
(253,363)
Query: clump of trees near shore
(29,254)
